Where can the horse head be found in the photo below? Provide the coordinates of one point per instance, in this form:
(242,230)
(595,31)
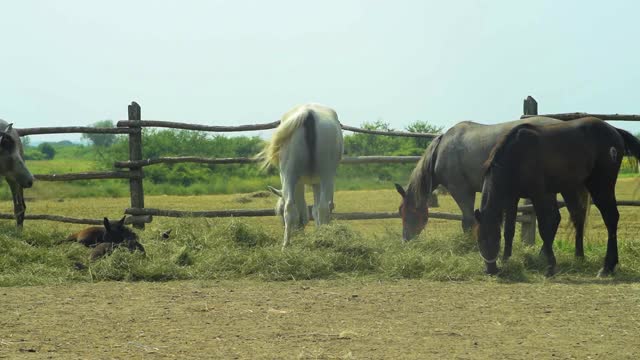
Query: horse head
(117,233)
(12,164)
(414,214)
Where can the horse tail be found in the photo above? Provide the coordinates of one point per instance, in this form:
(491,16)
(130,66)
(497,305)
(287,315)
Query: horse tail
(421,181)
(270,155)
(631,143)
(310,136)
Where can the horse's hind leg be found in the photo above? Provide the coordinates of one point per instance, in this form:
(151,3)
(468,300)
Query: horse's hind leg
(316,202)
(291,216)
(326,198)
(548,215)
(19,207)
(577,204)
(605,200)
(465,198)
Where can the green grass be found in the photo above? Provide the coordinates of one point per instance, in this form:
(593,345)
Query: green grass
(204,249)
(234,249)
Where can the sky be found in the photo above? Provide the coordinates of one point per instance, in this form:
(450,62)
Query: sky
(72,63)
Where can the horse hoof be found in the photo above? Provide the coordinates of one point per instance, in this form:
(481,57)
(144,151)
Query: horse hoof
(506,258)
(491,269)
(550,272)
(604,273)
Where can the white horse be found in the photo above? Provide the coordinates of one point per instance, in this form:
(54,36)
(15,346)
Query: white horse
(307,147)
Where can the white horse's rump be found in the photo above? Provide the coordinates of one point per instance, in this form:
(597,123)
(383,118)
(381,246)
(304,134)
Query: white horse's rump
(307,147)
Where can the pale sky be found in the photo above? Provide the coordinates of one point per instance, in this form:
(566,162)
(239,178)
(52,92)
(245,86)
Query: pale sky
(66,63)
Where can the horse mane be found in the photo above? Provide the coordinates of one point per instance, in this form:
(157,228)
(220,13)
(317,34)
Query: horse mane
(421,178)
(500,148)
(291,121)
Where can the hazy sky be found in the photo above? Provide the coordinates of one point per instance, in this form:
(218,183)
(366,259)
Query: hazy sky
(239,62)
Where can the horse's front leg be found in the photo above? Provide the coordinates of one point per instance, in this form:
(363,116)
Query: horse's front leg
(19,207)
(511,212)
(548,215)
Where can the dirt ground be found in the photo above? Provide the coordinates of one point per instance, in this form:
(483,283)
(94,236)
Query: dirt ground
(358,319)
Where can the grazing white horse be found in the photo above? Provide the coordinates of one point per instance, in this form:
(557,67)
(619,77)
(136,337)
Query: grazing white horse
(307,147)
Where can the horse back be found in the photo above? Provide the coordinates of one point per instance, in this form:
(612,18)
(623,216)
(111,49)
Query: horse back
(89,236)
(465,147)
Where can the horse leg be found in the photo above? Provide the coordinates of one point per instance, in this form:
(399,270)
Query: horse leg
(316,202)
(605,200)
(577,204)
(291,216)
(465,198)
(326,198)
(301,205)
(19,207)
(511,212)
(548,215)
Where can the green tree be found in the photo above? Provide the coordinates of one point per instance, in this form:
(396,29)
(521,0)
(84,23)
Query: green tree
(101,140)
(48,150)
(419,126)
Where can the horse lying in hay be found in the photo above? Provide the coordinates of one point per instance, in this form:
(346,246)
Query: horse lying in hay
(105,239)
(13,168)
(456,160)
(537,162)
(307,146)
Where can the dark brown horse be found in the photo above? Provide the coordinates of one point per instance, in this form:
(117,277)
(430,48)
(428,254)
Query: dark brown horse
(538,162)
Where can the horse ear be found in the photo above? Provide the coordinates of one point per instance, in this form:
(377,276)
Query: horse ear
(121,222)
(9,127)
(107,226)
(400,190)
(275,191)
(478,215)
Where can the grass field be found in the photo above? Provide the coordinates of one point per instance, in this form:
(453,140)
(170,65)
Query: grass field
(250,247)
(221,288)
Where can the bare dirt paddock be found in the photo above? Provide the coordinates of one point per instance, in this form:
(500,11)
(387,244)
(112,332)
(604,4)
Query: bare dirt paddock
(356,319)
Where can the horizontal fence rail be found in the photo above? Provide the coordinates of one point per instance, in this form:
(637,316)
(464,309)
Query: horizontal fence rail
(255,127)
(65,219)
(271,212)
(197,127)
(577,115)
(97,175)
(246,160)
(71,129)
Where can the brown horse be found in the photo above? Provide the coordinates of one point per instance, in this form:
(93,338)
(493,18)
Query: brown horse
(538,162)
(105,239)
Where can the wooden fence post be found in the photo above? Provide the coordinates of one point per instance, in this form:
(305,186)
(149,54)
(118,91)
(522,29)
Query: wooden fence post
(135,153)
(528,230)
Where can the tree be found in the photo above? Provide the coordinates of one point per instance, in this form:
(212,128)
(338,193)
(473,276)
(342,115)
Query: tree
(101,140)
(419,126)
(48,150)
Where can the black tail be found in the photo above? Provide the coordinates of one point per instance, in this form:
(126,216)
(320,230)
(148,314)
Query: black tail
(631,143)
(310,136)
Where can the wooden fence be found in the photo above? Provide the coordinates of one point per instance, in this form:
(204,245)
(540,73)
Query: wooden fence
(132,168)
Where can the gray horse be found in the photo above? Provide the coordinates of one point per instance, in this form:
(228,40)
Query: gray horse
(456,161)
(13,168)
